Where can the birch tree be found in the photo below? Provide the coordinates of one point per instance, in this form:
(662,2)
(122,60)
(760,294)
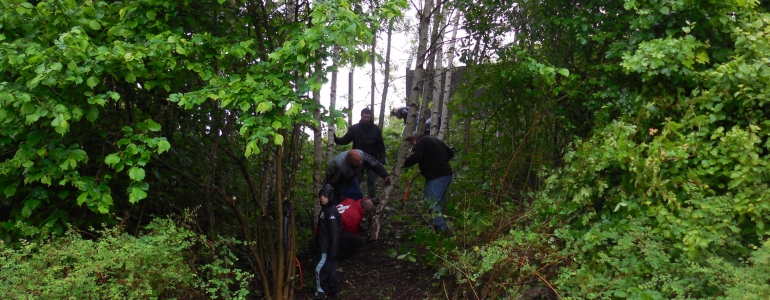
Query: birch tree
(447,81)
(414,95)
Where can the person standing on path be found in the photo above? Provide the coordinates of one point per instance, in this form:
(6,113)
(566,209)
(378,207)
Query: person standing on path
(366,136)
(329,230)
(432,156)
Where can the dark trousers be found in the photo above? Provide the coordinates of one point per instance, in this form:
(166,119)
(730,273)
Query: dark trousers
(371,179)
(349,243)
(326,278)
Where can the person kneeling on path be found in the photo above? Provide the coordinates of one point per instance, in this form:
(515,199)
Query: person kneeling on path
(329,231)
(352,213)
(432,156)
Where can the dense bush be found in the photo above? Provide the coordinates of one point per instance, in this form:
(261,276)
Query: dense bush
(667,196)
(167,261)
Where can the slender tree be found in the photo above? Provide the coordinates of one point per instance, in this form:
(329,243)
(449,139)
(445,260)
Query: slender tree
(414,95)
(386,76)
(447,82)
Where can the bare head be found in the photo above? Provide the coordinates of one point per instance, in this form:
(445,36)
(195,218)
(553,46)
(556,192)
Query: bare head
(413,138)
(367,205)
(354,158)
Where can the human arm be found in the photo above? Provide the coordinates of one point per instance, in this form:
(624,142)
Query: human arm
(416,156)
(332,173)
(323,233)
(345,139)
(370,163)
(380,146)
(335,229)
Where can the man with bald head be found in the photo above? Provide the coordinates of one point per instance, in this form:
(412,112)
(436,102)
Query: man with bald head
(343,170)
(366,136)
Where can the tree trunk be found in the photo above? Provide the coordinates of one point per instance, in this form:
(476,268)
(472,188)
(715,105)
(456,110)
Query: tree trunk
(448,80)
(350,96)
(332,105)
(419,73)
(385,83)
(317,148)
(430,74)
(374,68)
(436,86)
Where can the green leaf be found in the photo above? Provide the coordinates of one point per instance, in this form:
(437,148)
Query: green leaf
(180,50)
(301,58)
(664,10)
(136,174)
(92,81)
(151,15)
(82,198)
(136,195)
(112,159)
(245,106)
(163,146)
(277,124)
(94,25)
(107,200)
(152,125)
(9,191)
(278,139)
(264,106)
(564,72)
(92,114)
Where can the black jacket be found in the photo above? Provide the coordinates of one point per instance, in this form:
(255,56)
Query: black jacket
(433,157)
(338,170)
(365,137)
(329,229)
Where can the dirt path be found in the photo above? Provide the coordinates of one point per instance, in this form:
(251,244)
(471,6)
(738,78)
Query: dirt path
(371,273)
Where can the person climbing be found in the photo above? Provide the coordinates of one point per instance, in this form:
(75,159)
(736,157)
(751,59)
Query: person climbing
(432,156)
(400,113)
(366,136)
(343,170)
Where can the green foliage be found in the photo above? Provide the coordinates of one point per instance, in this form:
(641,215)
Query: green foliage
(167,261)
(662,194)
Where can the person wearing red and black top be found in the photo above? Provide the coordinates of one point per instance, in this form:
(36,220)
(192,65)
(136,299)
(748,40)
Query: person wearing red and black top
(432,156)
(352,213)
(329,230)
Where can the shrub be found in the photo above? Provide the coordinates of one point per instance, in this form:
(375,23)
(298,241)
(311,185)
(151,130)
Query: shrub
(158,264)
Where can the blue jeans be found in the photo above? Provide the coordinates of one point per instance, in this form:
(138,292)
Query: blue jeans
(435,196)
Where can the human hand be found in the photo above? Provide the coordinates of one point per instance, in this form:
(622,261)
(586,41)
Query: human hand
(387,181)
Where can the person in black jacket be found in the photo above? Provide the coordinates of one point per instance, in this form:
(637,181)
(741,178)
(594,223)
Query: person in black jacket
(329,231)
(342,171)
(366,136)
(400,113)
(432,156)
